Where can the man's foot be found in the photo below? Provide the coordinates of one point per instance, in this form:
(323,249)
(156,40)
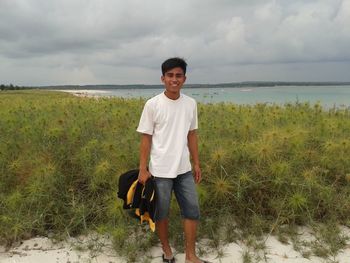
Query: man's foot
(197,261)
(168,260)
(167,254)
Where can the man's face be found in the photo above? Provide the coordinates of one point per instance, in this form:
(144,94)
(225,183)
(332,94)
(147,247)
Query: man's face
(173,80)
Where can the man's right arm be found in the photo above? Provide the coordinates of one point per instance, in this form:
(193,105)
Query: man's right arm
(145,148)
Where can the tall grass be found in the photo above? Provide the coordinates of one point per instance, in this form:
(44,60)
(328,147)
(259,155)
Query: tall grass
(264,166)
(60,160)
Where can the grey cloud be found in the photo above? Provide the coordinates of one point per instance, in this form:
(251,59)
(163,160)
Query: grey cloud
(91,39)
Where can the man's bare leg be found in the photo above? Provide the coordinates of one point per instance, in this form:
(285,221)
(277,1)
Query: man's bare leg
(190,229)
(162,230)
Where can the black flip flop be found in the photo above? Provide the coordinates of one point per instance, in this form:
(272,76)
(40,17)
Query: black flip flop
(165,260)
(202,261)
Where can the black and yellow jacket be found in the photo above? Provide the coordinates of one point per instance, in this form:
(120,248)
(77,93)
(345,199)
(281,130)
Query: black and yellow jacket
(137,196)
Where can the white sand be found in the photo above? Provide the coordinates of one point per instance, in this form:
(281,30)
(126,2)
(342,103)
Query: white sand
(99,249)
(85,93)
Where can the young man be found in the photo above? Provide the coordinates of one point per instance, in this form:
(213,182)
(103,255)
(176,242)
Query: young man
(168,136)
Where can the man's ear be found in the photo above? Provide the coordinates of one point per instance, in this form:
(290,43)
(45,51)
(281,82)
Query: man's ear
(162,78)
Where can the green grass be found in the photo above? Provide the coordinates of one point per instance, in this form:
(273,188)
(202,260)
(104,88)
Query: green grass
(263,167)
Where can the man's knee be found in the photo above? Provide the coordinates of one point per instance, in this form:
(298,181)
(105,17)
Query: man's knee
(190,208)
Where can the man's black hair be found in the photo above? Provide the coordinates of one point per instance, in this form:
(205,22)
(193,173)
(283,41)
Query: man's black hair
(174,63)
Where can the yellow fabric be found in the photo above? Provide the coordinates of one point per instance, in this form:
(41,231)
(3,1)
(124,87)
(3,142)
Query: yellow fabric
(145,217)
(131,193)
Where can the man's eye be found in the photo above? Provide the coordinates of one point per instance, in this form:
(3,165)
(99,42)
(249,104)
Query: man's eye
(171,75)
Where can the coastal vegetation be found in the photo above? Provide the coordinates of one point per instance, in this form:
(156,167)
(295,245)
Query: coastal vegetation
(267,169)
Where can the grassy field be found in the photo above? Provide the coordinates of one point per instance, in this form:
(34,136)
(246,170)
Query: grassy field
(264,168)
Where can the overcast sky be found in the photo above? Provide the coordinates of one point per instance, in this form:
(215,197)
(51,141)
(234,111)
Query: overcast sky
(56,42)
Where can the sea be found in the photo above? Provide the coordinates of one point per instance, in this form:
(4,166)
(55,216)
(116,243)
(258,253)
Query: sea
(327,96)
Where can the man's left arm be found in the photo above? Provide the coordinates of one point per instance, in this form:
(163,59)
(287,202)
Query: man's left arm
(193,147)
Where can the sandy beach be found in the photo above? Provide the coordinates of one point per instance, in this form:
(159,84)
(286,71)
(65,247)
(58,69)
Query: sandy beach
(85,93)
(97,248)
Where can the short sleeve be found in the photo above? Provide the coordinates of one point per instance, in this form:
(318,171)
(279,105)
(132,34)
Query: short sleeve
(194,122)
(146,123)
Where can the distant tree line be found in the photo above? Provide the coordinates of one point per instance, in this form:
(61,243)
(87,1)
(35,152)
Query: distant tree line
(11,87)
(244,84)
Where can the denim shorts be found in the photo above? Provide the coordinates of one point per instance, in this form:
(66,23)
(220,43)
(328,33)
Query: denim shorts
(185,193)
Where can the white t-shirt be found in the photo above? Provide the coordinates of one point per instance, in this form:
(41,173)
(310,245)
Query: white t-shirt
(169,121)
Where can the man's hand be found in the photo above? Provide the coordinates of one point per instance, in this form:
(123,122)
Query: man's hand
(197,174)
(143,176)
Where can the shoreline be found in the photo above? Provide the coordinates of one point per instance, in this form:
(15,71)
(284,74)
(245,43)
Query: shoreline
(84,93)
(216,98)
(99,248)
